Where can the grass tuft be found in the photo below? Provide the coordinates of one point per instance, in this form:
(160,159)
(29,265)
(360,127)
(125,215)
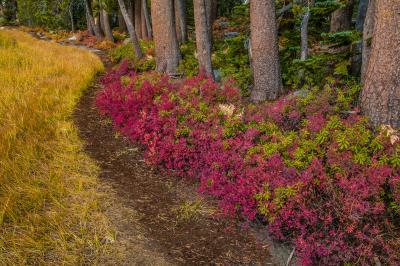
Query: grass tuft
(50,210)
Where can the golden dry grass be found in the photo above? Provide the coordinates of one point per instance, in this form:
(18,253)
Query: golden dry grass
(49,202)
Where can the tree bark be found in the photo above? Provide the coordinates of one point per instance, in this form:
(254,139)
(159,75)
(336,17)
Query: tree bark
(147,19)
(96,27)
(131,29)
(165,40)
(265,51)
(367,37)
(180,14)
(203,42)
(89,24)
(138,18)
(71,16)
(361,14)
(121,21)
(107,26)
(341,18)
(143,22)
(380,98)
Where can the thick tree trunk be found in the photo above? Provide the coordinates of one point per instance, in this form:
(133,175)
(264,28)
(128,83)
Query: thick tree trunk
(138,18)
(341,18)
(131,29)
(147,19)
(380,98)
(166,42)
(203,42)
(107,26)
(131,11)
(265,51)
(367,37)
(96,27)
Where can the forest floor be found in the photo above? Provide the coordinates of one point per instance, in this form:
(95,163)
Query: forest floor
(159,219)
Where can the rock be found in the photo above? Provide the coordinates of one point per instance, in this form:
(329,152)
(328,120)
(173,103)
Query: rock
(230,35)
(301,93)
(217,75)
(73,39)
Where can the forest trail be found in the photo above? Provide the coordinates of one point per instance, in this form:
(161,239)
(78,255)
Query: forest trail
(158,218)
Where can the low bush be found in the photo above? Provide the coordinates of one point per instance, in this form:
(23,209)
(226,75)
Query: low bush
(311,169)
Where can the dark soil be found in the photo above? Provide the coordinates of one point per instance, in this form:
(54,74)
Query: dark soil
(178,224)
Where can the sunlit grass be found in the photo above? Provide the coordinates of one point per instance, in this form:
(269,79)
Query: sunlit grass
(49,205)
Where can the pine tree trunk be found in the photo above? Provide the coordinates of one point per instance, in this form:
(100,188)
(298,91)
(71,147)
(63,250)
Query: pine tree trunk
(203,42)
(380,98)
(131,29)
(147,19)
(107,26)
(361,14)
(181,20)
(138,18)
(143,22)
(121,21)
(367,37)
(96,27)
(165,40)
(265,51)
(341,18)
(89,24)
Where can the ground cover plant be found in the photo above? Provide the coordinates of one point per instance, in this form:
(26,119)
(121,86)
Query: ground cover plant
(320,178)
(49,205)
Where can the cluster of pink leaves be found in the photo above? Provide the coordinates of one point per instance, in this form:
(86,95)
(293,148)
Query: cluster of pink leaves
(331,219)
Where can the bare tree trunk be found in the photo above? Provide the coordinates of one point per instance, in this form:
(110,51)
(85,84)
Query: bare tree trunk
(147,19)
(361,13)
(89,24)
(367,37)
(304,35)
(143,22)
(71,15)
(265,51)
(181,20)
(203,42)
(166,42)
(121,21)
(131,10)
(341,18)
(131,29)
(380,98)
(138,18)
(96,27)
(107,27)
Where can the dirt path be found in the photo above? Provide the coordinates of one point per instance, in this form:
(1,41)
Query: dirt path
(159,219)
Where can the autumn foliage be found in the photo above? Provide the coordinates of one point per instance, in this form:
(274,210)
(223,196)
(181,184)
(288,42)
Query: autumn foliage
(319,179)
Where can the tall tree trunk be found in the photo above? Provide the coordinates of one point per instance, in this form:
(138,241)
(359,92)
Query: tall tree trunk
(265,51)
(341,18)
(304,33)
(107,26)
(121,21)
(89,24)
(361,13)
(180,11)
(380,98)
(96,27)
(131,10)
(203,42)
(143,22)
(147,19)
(138,18)
(71,16)
(131,29)
(367,37)
(166,42)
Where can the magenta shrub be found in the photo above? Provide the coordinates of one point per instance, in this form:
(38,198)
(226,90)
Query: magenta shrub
(321,180)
